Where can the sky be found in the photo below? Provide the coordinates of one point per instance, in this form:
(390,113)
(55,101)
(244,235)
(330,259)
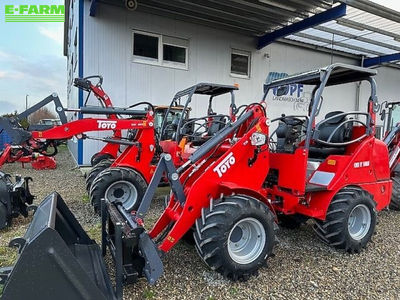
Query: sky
(32,61)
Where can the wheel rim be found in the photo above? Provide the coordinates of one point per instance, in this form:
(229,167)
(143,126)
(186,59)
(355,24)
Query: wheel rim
(246,241)
(359,221)
(124,192)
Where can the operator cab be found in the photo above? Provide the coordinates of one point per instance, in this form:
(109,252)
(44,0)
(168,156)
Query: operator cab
(178,130)
(324,140)
(171,121)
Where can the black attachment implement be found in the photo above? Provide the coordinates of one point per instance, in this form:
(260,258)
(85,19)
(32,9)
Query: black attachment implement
(52,98)
(15,198)
(19,135)
(63,262)
(134,253)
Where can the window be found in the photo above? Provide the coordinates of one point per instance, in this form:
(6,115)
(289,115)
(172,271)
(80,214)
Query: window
(240,63)
(160,50)
(145,46)
(174,53)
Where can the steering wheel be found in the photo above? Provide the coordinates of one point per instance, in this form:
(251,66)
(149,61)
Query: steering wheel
(291,120)
(203,125)
(329,142)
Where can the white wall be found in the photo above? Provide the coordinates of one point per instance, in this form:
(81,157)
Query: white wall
(108,51)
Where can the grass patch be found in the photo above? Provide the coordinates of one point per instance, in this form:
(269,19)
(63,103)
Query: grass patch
(148,294)
(85,198)
(62,147)
(9,255)
(94,232)
(162,191)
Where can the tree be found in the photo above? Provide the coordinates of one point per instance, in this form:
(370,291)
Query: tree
(42,113)
(24,123)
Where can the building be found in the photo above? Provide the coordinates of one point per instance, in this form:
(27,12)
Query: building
(156,48)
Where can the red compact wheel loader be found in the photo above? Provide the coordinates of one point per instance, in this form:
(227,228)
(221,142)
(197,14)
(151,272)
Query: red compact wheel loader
(230,192)
(38,139)
(28,146)
(122,180)
(106,157)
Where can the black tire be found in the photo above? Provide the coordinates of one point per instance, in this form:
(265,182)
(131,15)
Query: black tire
(395,200)
(335,229)
(214,233)
(4,219)
(104,164)
(98,157)
(291,221)
(112,176)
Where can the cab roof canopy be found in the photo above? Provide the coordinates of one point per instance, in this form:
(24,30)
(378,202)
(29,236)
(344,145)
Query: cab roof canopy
(210,89)
(339,74)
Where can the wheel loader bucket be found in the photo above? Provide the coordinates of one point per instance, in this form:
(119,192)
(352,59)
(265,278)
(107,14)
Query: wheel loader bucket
(57,259)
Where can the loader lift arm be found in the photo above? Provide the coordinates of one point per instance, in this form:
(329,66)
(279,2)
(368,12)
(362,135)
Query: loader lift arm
(134,252)
(51,98)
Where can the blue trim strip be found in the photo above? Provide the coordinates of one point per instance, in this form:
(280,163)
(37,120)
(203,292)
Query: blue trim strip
(80,72)
(328,15)
(93,8)
(368,62)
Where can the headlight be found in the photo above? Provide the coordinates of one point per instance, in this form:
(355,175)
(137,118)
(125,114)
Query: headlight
(258,139)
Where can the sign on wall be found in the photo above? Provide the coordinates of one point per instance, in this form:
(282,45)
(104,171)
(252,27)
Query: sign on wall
(293,94)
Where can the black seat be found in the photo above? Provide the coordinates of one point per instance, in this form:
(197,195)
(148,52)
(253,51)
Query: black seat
(342,135)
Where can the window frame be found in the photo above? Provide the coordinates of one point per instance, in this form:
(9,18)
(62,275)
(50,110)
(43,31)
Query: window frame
(160,60)
(243,53)
(174,64)
(144,59)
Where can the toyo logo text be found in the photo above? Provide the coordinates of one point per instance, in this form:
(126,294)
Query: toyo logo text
(34,13)
(107,124)
(225,165)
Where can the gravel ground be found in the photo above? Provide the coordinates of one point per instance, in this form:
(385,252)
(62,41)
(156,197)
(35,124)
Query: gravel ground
(302,268)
